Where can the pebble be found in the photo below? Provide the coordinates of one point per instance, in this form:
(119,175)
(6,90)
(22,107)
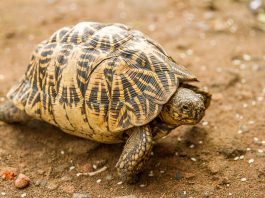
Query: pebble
(98,181)
(71,168)
(250,161)
(22,181)
(52,185)
(79,195)
(260,151)
(246,57)
(260,98)
(23,195)
(243,179)
(162,171)
(243,129)
(236,62)
(119,183)
(143,185)
(3,193)
(205,123)
(193,159)
(151,174)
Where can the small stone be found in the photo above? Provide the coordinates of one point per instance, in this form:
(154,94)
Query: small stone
(143,185)
(205,123)
(236,158)
(241,157)
(98,181)
(246,57)
(256,139)
(151,174)
(23,195)
(71,168)
(119,183)
(79,195)
(243,129)
(22,181)
(250,161)
(260,151)
(193,159)
(3,193)
(52,185)
(243,179)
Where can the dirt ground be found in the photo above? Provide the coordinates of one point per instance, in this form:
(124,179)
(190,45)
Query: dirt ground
(223,156)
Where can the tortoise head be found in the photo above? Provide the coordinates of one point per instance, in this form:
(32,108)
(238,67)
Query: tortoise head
(186,107)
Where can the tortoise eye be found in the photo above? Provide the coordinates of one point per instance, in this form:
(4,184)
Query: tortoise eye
(185,107)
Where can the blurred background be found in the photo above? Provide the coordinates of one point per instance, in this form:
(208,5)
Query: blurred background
(222,42)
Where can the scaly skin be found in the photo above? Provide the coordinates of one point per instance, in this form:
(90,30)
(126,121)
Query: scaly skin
(136,152)
(9,113)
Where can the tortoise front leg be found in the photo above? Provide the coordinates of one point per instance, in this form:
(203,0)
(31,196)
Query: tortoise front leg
(136,152)
(9,113)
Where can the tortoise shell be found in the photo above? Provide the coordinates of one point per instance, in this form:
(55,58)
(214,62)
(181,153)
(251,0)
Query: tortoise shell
(97,80)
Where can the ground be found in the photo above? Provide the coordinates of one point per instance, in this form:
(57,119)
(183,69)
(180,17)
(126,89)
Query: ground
(223,156)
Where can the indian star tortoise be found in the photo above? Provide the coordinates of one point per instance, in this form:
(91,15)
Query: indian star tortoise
(107,83)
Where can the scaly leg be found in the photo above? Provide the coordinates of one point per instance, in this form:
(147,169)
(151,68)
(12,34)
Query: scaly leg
(9,113)
(136,152)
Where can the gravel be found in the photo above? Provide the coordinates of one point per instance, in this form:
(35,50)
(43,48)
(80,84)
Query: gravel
(22,181)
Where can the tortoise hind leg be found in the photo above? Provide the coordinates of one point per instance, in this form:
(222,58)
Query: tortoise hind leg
(136,152)
(9,113)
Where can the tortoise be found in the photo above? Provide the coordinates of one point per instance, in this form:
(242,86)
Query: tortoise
(108,83)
